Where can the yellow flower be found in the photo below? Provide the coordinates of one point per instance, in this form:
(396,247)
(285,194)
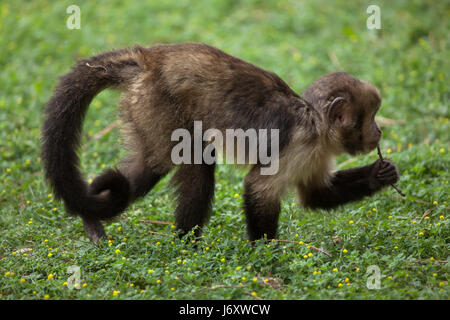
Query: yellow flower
(236,195)
(442,150)
(441,217)
(64,283)
(8,170)
(432,259)
(14,253)
(84,285)
(435,202)
(158,243)
(50,276)
(172,227)
(357,269)
(46,297)
(300,242)
(347,280)
(390,278)
(119,228)
(441,284)
(389,151)
(335,270)
(158,281)
(222,260)
(238,268)
(254,294)
(150,271)
(435,274)
(374,209)
(244,278)
(117,251)
(305,256)
(340,285)
(350,222)
(390,217)
(310,254)
(344,251)
(22,280)
(255,279)
(115,293)
(414,221)
(421,233)
(166,271)
(50,254)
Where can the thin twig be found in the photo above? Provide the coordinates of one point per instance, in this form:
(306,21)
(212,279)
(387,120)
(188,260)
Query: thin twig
(305,244)
(392,185)
(156,222)
(94,66)
(334,60)
(160,234)
(107,129)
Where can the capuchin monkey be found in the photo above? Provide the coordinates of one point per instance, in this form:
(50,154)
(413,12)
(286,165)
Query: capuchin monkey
(167,87)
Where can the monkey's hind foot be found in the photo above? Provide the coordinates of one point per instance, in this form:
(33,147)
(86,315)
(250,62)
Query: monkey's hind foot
(94,230)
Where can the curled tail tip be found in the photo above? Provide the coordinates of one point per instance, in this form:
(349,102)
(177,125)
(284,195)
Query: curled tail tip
(109,195)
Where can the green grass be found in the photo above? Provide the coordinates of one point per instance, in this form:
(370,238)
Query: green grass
(407,59)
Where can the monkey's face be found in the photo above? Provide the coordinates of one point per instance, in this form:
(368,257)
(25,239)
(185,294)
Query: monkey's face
(353,118)
(348,106)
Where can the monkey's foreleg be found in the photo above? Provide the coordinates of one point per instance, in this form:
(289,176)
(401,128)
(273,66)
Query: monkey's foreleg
(351,185)
(94,229)
(262,207)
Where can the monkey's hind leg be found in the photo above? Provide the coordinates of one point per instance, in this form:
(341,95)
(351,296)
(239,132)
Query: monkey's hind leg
(195,192)
(94,229)
(261,205)
(141,177)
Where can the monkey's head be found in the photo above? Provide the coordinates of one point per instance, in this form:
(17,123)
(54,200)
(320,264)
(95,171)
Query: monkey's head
(348,106)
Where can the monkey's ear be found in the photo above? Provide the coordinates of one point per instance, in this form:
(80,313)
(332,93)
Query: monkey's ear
(335,111)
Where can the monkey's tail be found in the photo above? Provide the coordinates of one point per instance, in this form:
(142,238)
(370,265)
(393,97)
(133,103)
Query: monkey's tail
(110,192)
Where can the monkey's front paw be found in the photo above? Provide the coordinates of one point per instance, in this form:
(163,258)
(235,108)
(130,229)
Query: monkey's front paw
(384,172)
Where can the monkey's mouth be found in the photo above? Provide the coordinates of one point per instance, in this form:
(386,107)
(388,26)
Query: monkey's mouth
(371,146)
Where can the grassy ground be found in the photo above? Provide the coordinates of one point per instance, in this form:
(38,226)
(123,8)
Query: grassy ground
(408,240)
